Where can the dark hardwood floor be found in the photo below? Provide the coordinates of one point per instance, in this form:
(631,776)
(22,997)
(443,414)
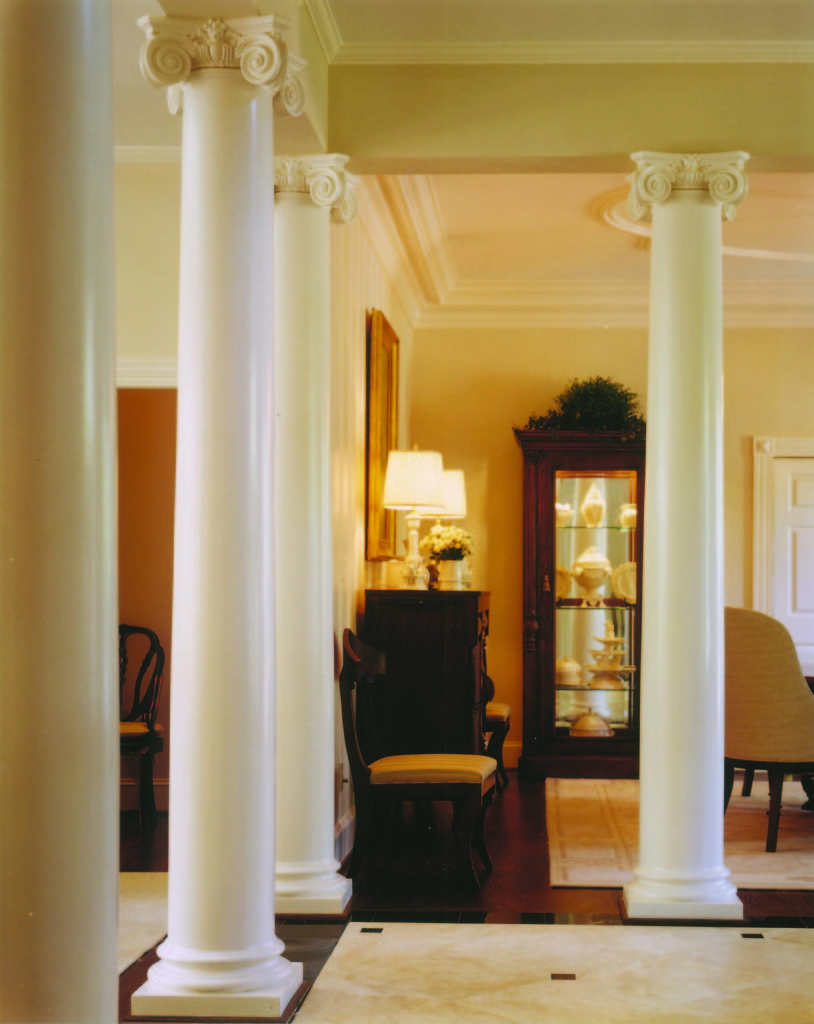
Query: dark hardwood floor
(413,877)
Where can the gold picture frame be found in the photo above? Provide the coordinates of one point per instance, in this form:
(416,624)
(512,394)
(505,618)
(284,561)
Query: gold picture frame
(382,433)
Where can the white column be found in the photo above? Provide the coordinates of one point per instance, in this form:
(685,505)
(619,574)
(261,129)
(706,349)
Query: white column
(59,762)
(221,956)
(681,872)
(310,191)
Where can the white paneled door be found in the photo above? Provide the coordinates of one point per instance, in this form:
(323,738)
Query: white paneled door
(793,552)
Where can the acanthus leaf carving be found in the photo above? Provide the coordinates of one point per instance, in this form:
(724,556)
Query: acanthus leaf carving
(658,175)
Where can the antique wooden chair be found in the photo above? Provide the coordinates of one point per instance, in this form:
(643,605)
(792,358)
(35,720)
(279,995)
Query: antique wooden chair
(467,780)
(497,720)
(139,694)
(769,707)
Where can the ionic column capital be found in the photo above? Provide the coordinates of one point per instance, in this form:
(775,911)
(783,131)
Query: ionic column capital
(658,175)
(324,178)
(175,47)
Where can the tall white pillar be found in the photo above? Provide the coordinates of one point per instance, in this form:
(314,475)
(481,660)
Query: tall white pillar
(681,872)
(310,191)
(221,956)
(59,762)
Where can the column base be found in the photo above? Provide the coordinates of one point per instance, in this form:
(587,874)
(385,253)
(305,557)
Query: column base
(150,1001)
(713,899)
(317,905)
(311,887)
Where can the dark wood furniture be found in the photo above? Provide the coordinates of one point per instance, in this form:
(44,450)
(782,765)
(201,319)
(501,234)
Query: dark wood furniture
(434,642)
(467,780)
(497,720)
(141,670)
(561,468)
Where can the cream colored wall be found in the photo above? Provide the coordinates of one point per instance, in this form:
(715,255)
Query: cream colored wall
(768,376)
(359,284)
(470,387)
(148,245)
(567,112)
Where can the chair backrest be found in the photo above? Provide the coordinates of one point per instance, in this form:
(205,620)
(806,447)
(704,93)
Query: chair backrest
(360,665)
(769,707)
(139,689)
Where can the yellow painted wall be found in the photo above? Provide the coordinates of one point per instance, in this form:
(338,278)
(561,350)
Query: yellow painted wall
(359,284)
(148,246)
(470,387)
(381,113)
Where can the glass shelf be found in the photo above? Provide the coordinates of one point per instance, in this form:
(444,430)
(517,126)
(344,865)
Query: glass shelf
(618,529)
(574,604)
(591,689)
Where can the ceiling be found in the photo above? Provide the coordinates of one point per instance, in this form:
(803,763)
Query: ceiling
(537,249)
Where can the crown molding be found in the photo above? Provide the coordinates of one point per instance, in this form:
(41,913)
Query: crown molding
(146,373)
(376,219)
(605,304)
(325,27)
(147,154)
(661,51)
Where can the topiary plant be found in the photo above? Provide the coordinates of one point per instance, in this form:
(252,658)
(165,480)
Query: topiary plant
(595,404)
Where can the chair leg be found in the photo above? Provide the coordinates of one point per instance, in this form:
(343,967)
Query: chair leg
(495,749)
(748,779)
(361,837)
(465,814)
(775,794)
(480,835)
(729,782)
(147,810)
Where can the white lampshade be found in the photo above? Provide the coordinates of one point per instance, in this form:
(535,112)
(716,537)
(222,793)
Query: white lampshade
(454,496)
(413,479)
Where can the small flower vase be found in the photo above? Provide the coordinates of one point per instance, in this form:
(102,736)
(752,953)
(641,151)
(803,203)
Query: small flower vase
(450,574)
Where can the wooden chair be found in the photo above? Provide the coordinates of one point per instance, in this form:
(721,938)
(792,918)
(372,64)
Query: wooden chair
(139,694)
(769,707)
(497,720)
(467,780)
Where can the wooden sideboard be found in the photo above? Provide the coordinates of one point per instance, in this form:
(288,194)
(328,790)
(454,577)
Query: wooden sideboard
(434,641)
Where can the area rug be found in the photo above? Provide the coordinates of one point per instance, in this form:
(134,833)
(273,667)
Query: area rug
(593,835)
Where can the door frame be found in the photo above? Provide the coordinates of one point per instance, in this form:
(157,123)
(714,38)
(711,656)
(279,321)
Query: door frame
(765,451)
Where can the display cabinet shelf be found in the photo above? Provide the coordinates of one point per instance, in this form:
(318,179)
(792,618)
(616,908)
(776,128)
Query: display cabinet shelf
(583,506)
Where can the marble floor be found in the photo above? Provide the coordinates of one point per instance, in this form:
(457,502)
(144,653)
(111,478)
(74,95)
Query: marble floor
(142,913)
(381,971)
(577,974)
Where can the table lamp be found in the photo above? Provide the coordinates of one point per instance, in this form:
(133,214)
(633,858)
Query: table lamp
(454,490)
(414,484)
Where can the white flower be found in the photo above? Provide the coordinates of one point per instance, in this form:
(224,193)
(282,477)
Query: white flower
(447,543)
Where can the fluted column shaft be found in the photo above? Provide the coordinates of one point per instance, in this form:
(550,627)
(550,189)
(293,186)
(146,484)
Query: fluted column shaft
(681,871)
(58,602)
(221,956)
(310,191)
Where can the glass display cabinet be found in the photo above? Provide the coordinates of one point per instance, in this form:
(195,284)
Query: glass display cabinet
(583,503)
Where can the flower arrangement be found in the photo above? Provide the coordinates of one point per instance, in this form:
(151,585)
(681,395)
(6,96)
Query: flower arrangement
(447,544)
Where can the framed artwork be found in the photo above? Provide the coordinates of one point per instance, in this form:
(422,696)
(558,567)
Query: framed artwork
(382,433)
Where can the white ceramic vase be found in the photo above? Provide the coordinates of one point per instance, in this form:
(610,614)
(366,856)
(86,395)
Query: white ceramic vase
(593,507)
(450,574)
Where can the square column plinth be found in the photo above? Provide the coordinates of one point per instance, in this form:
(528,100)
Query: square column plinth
(149,1001)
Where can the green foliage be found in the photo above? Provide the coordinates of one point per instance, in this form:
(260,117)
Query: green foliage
(596,404)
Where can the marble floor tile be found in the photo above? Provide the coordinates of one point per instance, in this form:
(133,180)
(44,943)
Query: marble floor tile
(142,913)
(571,974)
